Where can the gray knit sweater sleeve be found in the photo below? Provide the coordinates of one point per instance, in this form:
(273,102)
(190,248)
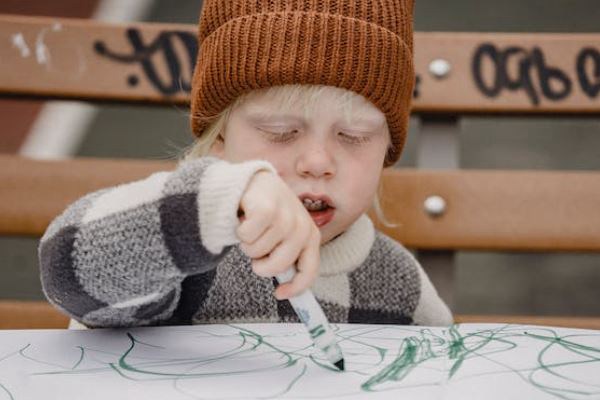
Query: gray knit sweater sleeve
(118,257)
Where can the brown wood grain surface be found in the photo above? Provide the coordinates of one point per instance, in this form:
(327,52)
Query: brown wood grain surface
(488,72)
(77,58)
(31,315)
(35,191)
(498,210)
(495,209)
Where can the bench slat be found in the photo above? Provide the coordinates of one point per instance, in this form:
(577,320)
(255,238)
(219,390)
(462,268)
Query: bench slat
(498,210)
(84,59)
(34,192)
(15,314)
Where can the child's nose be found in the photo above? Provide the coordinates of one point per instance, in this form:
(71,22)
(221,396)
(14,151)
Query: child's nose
(316,161)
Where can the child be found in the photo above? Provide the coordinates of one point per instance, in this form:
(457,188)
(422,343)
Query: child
(298,105)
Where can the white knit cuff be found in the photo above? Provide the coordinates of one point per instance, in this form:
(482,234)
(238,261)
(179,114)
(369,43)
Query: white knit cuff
(219,195)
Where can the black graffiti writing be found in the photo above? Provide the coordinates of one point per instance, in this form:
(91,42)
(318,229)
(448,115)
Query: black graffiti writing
(553,83)
(143,53)
(589,55)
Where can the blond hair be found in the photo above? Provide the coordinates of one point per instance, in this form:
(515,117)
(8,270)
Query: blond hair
(287,96)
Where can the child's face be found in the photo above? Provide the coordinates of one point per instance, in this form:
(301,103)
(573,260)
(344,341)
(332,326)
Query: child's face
(317,150)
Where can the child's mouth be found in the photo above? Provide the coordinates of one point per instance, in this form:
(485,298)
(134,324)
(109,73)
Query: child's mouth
(322,217)
(319,209)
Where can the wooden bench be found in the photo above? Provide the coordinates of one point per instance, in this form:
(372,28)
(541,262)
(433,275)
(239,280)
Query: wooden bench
(457,74)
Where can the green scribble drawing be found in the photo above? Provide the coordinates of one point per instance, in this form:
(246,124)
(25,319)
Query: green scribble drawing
(412,353)
(552,363)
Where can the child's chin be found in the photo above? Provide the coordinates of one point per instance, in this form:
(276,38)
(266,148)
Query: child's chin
(329,233)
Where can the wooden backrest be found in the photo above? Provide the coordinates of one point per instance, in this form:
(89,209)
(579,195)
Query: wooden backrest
(457,73)
(500,210)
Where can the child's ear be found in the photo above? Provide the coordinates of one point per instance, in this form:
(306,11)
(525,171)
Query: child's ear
(218,148)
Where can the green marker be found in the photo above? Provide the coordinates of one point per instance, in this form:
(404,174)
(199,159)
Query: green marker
(313,317)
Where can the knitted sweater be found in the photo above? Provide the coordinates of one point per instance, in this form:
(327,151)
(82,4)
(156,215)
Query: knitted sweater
(163,250)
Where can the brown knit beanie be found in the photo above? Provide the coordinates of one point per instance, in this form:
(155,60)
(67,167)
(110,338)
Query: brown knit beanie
(365,46)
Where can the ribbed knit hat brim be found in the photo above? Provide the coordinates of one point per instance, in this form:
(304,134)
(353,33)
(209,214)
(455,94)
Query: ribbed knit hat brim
(277,48)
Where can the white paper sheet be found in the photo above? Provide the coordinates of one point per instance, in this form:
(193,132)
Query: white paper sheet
(247,361)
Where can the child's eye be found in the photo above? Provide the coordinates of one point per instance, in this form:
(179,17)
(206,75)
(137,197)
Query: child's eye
(353,139)
(279,137)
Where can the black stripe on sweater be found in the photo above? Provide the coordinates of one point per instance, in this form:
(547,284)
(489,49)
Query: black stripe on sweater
(194,290)
(179,226)
(59,280)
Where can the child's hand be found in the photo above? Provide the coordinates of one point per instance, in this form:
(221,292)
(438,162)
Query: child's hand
(276,231)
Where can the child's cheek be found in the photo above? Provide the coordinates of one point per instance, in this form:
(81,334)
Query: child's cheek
(364,186)
(284,168)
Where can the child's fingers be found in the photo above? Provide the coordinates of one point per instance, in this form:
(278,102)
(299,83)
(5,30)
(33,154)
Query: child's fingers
(307,270)
(265,243)
(279,260)
(254,225)
(284,255)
